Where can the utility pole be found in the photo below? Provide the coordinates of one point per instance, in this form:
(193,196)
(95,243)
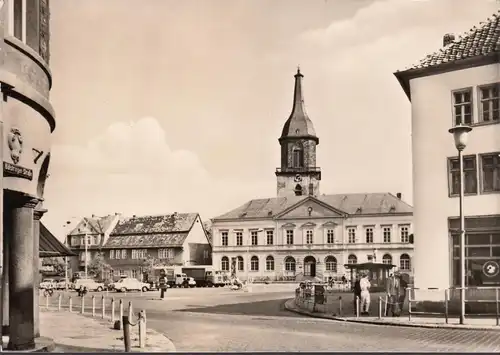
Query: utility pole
(86,255)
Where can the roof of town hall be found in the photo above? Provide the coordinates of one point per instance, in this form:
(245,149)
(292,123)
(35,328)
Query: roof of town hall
(352,204)
(151,231)
(480,41)
(93,225)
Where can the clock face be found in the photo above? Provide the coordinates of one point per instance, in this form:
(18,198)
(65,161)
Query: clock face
(297,178)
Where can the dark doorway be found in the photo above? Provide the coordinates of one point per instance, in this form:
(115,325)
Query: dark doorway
(310,266)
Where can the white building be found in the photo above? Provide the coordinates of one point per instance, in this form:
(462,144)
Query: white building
(457,84)
(301,233)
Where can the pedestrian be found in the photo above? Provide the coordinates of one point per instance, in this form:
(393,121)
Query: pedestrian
(393,295)
(402,292)
(357,293)
(365,294)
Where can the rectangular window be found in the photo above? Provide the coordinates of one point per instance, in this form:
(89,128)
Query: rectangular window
(330,236)
(166,253)
(74,241)
(224,239)
(289,237)
(369,235)
(470,175)
(351,235)
(255,238)
(462,107)
(404,234)
(134,273)
(111,254)
(490,172)
(124,253)
(309,237)
(18,20)
(270,237)
(387,234)
(123,273)
(239,238)
(489,106)
(94,240)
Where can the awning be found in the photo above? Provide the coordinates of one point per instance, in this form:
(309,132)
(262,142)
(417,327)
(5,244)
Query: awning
(50,246)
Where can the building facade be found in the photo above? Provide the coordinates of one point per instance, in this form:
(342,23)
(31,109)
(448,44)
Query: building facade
(175,239)
(96,230)
(457,85)
(27,122)
(302,234)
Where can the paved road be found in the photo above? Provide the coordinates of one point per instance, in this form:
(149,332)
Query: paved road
(223,320)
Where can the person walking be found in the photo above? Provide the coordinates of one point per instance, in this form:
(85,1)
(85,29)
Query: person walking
(365,294)
(402,293)
(393,295)
(357,293)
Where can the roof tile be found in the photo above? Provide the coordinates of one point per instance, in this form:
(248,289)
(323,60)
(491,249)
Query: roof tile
(479,41)
(146,240)
(177,222)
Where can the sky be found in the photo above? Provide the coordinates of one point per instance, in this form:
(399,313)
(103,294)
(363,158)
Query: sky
(176,105)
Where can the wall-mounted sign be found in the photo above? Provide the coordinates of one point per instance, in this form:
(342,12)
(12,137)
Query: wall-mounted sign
(491,268)
(17,171)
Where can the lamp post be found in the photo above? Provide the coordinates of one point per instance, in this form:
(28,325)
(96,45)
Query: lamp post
(460,136)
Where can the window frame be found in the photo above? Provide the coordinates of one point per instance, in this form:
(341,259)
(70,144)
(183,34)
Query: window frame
(289,236)
(240,262)
(11,20)
(386,228)
(369,234)
(480,101)
(481,171)
(330,233)
(353,229)
(269,237)
(349,258)
(309,237)
(406,260)
(469,90)
(254,237)
(329,263)
(400,229)
(223,260)
(450,160)
(252,263)
(224,236)
(270,261)
(239,238)
(390,259)
(290,264)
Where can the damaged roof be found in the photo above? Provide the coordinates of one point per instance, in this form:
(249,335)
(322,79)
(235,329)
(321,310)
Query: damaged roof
(151,231)
(352,204)
(93,225)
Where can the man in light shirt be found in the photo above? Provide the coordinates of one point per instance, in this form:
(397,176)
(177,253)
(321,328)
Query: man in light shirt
(365,294)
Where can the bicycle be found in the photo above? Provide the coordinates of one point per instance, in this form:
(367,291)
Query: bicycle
(48,292)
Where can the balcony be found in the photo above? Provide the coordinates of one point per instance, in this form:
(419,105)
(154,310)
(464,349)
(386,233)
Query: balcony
(299,170)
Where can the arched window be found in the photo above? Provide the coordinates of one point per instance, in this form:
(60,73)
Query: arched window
(269,263)
(298,190)
(224,263)
(289,264)
(241,263)
(297,158)
(331,264)
(387,259)
(404,262)
(254,263)
(352,259)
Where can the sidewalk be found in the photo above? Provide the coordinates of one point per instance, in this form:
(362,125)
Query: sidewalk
(421,322)
(85,334)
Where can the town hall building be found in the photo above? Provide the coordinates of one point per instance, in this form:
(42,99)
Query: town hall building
(303,234)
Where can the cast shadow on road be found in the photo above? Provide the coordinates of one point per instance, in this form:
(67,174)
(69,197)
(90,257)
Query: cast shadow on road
(275,308)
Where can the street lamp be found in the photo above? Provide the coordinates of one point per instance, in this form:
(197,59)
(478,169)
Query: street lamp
(460,135)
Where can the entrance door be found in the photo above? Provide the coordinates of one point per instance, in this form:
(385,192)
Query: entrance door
(310,266)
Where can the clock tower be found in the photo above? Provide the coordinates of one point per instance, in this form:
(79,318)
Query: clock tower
(298,174)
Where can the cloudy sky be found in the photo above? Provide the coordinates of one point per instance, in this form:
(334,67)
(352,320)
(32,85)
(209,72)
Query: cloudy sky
(177,105)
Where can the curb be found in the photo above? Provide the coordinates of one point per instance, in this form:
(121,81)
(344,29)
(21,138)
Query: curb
(294,309)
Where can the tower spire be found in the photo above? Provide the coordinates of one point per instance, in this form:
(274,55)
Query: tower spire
(298,108)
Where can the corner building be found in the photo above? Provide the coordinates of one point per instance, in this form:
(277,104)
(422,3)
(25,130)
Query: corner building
(302,234)
(27,122)
(459,84)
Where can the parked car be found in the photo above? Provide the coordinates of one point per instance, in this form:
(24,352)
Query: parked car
(90,284)
(48,283)
(191,282)
(61,285)
(130,284)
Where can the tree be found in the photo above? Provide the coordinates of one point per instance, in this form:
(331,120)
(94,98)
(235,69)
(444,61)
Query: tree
(98,266)
(56,263)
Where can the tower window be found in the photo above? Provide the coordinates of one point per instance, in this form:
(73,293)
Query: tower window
(297,158)
(298,190)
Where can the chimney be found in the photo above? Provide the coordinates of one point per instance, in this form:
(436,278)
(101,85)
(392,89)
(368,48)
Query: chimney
(448,38)
(399,195)
(93,215)
(133,216)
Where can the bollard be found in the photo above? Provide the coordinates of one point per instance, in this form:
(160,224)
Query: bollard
(340,306)
(121,313)
(59,300)
(113,310)
(130,311)
(379,308)
(498,307)
(83,305)
(446,296)
(70,304)
(162,293)
(142,329)
(126,333)
(103,302)
(357,307)
(47,302)
(93,306)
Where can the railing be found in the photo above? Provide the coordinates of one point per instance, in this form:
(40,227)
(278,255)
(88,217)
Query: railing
(451,303)
(298,170)
(123,322)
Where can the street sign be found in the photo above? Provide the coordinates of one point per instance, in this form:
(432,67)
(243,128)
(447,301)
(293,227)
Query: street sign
(491,268)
